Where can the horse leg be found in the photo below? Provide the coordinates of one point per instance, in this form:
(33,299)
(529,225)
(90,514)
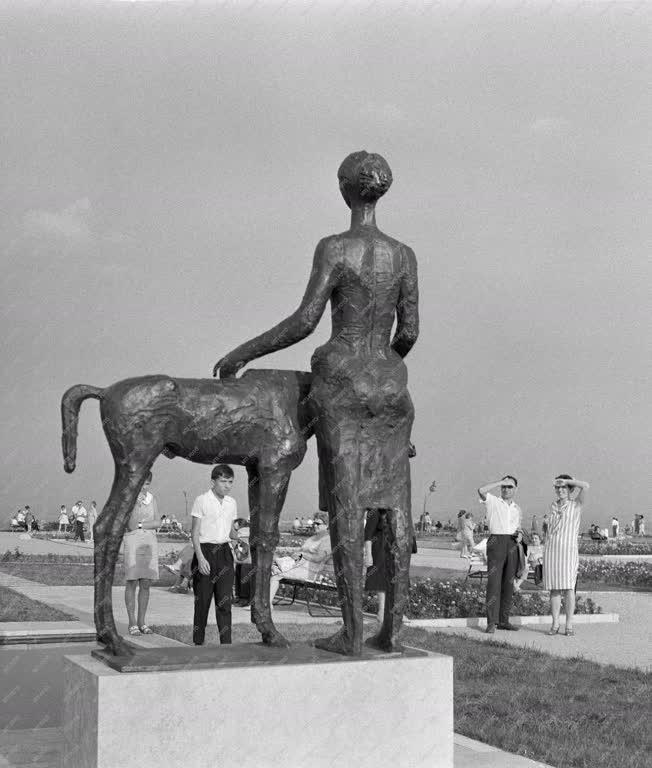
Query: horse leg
(110,528)
(346,522)
(266,495)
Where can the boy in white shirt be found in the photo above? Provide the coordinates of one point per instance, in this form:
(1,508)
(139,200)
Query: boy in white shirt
(213,514)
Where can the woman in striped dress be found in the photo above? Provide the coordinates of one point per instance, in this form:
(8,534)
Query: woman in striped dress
(560,555)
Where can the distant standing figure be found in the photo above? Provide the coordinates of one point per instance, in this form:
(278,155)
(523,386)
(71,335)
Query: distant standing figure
(20,518)
(141,558)
(79,515)
(92,519)
(296,525)
(614,527)
(561,554)
(467,535)
(641,525)
(544,526)
(63,519)
(534,528)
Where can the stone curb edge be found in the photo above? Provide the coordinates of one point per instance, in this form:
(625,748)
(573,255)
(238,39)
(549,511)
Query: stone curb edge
(520,621)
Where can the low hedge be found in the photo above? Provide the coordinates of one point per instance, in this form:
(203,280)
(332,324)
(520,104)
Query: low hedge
(615,547)
(619,573)
(432,599)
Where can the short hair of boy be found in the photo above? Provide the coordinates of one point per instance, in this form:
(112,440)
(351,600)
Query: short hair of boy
(511,477)
(222,470)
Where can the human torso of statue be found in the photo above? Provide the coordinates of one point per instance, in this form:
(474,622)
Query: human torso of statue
(371,266)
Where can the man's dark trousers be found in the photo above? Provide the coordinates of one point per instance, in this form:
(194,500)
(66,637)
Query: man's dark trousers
(502,562)
(218,585)
(79,530)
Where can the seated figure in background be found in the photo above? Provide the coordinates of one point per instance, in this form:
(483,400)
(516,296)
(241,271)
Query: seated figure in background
(315,554)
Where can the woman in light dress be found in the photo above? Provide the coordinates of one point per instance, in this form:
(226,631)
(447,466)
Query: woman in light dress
(64,521)
(466,532)
(141,558)
(561,554)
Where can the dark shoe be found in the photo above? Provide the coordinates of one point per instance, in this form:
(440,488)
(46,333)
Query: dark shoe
(491,628)
(554,631)
(570,633)
(509,626)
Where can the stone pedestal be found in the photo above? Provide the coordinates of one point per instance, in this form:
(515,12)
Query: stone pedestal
(259,707)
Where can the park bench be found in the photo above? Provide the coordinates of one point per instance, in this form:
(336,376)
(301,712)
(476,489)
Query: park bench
(478,569)
(312,592)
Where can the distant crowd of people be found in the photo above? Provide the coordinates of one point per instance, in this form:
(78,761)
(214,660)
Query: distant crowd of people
(79,521)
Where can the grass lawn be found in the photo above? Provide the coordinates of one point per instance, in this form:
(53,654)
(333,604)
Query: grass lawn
(565,712)
(17,607)
(73,574)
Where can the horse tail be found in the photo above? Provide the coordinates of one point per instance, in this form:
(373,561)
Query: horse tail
(70,405)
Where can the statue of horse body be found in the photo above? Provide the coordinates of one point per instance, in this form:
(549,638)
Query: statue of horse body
(261,421)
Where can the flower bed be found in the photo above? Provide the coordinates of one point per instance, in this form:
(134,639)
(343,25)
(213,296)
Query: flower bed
(615,547)
(432,599)
(633,574)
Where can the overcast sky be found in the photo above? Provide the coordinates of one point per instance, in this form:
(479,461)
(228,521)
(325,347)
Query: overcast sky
(167,170)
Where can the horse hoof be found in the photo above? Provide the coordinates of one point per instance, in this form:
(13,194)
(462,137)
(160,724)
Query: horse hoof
(116,646)
(383,643)
(275,639)
(340,642)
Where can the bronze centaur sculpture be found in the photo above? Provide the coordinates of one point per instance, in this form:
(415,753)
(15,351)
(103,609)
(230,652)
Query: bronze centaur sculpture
(261,421)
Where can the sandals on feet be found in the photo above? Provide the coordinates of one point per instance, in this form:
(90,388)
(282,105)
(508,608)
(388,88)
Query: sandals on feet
(133,630)
(554,631)
(145,630)
(570,632)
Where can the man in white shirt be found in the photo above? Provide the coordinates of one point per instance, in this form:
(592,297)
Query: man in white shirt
(504,519)
(79,517)
(212,517)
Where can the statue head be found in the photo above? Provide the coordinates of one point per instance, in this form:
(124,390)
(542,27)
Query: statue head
(364,178)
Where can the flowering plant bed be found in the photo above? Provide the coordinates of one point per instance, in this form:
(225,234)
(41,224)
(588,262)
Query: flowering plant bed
(633,574)
(432,599)
(615,547)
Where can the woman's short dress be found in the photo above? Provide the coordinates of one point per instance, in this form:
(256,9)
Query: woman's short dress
(63,519)
(561,554)
(141,546)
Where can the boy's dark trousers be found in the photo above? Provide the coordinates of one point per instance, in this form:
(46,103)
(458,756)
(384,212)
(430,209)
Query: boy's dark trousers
(218,585)
(502,562)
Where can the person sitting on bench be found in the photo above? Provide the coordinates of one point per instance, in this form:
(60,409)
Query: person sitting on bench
(315,552)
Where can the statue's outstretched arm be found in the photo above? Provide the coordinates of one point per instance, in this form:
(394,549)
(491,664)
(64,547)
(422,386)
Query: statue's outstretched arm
(301,323)
(407,308)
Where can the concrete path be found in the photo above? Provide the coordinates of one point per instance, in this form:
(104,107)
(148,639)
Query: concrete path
(625,644)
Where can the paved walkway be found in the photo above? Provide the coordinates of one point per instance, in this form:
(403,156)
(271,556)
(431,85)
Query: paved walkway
(625,644)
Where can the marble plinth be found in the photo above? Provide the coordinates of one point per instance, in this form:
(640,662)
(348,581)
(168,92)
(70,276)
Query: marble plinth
(259,707)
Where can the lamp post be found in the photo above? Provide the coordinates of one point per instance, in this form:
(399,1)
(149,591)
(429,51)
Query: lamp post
(432,489)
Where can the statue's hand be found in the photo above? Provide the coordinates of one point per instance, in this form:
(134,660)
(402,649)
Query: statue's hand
(227,367)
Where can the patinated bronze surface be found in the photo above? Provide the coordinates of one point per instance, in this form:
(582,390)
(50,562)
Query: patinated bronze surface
(261,421)
(359,398)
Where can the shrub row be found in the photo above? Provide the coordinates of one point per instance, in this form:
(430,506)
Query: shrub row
(632,574)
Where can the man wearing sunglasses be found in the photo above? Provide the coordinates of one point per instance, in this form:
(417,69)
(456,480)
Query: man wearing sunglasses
(504,519)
